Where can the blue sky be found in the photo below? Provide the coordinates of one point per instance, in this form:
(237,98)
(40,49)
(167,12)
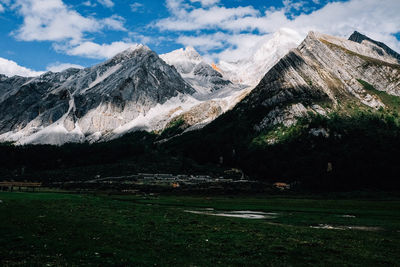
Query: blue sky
(54,34)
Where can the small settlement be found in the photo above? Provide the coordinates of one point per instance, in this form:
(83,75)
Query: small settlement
(151,181)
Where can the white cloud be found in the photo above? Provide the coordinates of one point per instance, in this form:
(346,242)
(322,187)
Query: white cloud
(98,51)
(106,3)
(136,6)
(144,39)
(89,4)
(200,18)
(241,46)
(11,68)
(243,25)
(218,31)
(52,20)
(204,42)
(1,8)
(206,2)
(58,67)
(378,19)
(292,4)
(114,22)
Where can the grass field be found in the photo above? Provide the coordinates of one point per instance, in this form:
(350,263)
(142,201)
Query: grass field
(58,229)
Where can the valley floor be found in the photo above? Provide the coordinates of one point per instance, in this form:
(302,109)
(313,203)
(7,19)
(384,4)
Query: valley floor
(60,229)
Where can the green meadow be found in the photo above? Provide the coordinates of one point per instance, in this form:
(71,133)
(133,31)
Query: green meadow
(61,229)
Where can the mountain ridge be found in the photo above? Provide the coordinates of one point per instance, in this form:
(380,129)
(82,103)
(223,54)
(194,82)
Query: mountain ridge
(359,38)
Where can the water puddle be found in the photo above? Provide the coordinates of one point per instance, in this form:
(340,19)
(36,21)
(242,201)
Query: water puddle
(347,216)
(345,227)
(246,214)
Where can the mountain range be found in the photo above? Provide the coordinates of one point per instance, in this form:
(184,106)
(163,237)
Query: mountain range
(323,113)
(139,90)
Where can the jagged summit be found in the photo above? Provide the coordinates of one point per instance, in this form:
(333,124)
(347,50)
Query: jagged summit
(132,51)
(360,38)
(135,51)
(357,37)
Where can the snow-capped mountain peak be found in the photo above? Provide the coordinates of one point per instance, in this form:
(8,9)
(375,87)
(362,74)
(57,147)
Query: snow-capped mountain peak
(196,71)
(251,70)
(282,39)
(135,51)
(192,54)
(188,54)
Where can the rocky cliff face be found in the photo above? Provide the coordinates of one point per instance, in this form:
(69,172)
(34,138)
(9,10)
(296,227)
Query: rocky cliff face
(324,73)
(77,105)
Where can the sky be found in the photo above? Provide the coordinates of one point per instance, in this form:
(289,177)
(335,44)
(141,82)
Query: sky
(43,35)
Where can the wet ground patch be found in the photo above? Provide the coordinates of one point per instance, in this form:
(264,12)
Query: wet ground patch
(245,214)
(347,227)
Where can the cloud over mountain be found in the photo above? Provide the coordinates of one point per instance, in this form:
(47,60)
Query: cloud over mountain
(221,27)
(11,68)
(219,30)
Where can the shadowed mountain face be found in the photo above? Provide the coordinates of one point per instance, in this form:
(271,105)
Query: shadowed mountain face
(77,105)
(360,38)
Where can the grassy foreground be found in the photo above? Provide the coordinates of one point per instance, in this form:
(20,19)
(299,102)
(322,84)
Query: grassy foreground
(54,229)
